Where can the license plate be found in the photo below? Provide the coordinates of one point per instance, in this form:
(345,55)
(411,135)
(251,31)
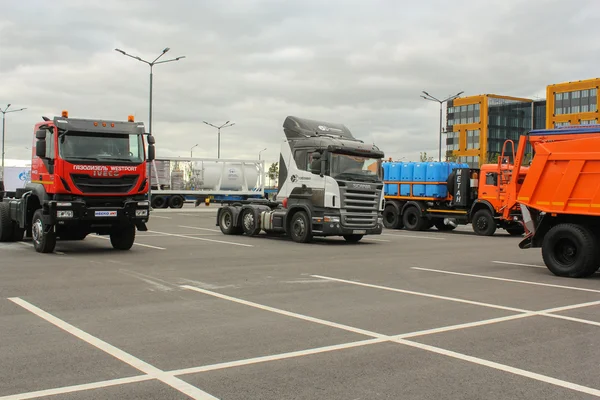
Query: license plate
(359,232)
(106,214)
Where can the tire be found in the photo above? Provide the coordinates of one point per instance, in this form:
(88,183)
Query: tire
(159,202)
(353,238)
(571,250)
(123,238)
(440,226)
(412,219)
(515,230)
(6,224)
(391,217)
(484,223)
(176,202)
(300,228)
(42,242)
(250,224)
(226,223)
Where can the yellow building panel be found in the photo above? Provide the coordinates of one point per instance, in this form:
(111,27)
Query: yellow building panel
(572,118)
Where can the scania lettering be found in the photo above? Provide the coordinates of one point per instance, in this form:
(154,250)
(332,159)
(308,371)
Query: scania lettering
(330,184)
(87,176)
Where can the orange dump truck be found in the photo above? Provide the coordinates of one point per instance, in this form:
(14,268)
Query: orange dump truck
(560,198)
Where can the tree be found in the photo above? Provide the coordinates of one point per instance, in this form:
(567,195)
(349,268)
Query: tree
(273,171)
(451,157)
(423,157)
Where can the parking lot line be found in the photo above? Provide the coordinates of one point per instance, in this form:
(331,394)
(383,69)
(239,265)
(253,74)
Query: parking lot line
(136,244)
(502,367)
(508,280)
(200,229)
(519,264)
(413,236)
(206,240)
(433,349)
(159,216)
(77,388)
(433,296)
(119,354)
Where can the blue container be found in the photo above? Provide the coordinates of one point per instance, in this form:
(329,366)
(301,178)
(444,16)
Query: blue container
(437,172)
(394,176)
(406,175)
(419,175)
(386,177)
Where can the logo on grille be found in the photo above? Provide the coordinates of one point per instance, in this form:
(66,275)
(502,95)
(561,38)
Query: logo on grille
(361,186)
(105,173)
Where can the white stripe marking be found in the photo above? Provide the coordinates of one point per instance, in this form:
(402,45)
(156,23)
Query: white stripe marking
(200,229)
(519,264)
(77,388)
(119,354)
(136,244)
(287,313)
(207,240)
(413,236)
(376,240)
(571,307)
(508,280)
(159,216)
(502,367)
(433,296)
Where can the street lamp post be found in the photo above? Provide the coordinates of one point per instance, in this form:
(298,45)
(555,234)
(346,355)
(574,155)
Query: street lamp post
(261,152)
(4,112)
(219,134)
(192,150)
(430,97)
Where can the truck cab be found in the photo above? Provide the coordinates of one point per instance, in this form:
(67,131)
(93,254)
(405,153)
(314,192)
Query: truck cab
(87,176)
(330,184)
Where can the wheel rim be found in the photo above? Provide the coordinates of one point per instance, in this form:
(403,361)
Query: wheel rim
(482,223)
(226,220)
(389,217)
(36,231)
(565,251)
(299,227)
(412,219)
(249,221)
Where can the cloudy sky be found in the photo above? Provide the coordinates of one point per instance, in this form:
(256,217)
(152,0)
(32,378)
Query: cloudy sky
(254,62)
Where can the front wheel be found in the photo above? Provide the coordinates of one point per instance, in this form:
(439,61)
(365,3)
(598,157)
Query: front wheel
(570,250)
(300,229)
(353,238)
(484,223)
(44,240)
(123,238)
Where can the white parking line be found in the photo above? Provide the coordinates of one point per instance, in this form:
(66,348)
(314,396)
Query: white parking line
(200,229)
(413,236)
(206,240)
(519,264)
(119,354)
(508,280)
(159,216)
(136,244)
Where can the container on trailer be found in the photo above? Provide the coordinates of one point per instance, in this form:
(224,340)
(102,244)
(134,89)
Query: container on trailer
(406,175)
(419,175)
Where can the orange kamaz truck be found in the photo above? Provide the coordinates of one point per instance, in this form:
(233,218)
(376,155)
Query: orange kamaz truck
(559,198)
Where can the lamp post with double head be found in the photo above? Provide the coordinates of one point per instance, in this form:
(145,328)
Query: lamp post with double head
(219,135)
(431,98)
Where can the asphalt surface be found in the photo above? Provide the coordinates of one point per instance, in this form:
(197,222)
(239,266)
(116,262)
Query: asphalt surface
(192,313)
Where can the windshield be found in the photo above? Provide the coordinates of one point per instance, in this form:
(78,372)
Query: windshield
(357,168)
(77,146)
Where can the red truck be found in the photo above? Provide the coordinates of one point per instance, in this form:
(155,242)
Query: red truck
(87,176)
(559,198)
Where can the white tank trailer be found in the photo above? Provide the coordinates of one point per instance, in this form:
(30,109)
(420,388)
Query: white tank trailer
(177,180)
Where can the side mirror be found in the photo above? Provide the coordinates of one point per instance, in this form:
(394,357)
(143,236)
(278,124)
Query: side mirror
(40,148)
(151,153)
(40,134)
(151,139)
(316,155)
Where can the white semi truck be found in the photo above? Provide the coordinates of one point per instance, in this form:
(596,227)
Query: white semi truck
(330,184)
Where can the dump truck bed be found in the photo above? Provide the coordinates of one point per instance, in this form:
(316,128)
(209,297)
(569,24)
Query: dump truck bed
(564,177)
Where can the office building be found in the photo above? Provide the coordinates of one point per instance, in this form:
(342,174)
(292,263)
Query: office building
(572,103)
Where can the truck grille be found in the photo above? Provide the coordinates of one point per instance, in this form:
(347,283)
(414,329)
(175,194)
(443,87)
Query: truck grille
(359,207)
(87,184)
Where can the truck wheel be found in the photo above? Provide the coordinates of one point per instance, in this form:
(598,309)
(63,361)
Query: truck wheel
(353,238)
(122,238)
(159,202)
(412,219)
(570,250)
(515,230)
(440,226)
(176,202)
(226,223)
(300,229)
(42,242)
(391,217)
(6,224)
(484,223)
(250,224)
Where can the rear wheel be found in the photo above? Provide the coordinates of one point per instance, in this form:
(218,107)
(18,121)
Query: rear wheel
(44,239)
(122,238)
(353,238)
(6,224)
(176,201)
(484,223)
(570,250)
(250,224)
(159,202)
(226,222)
(412,219)
(300,228)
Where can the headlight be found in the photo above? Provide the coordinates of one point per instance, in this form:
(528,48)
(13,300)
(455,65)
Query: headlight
(143,203)
(64,204)
(141,213)
(64,214)
(331,219)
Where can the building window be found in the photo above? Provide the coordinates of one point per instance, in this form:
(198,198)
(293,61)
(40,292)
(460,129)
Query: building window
(585,93)
(558,96)
(575,94)
(585,108)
